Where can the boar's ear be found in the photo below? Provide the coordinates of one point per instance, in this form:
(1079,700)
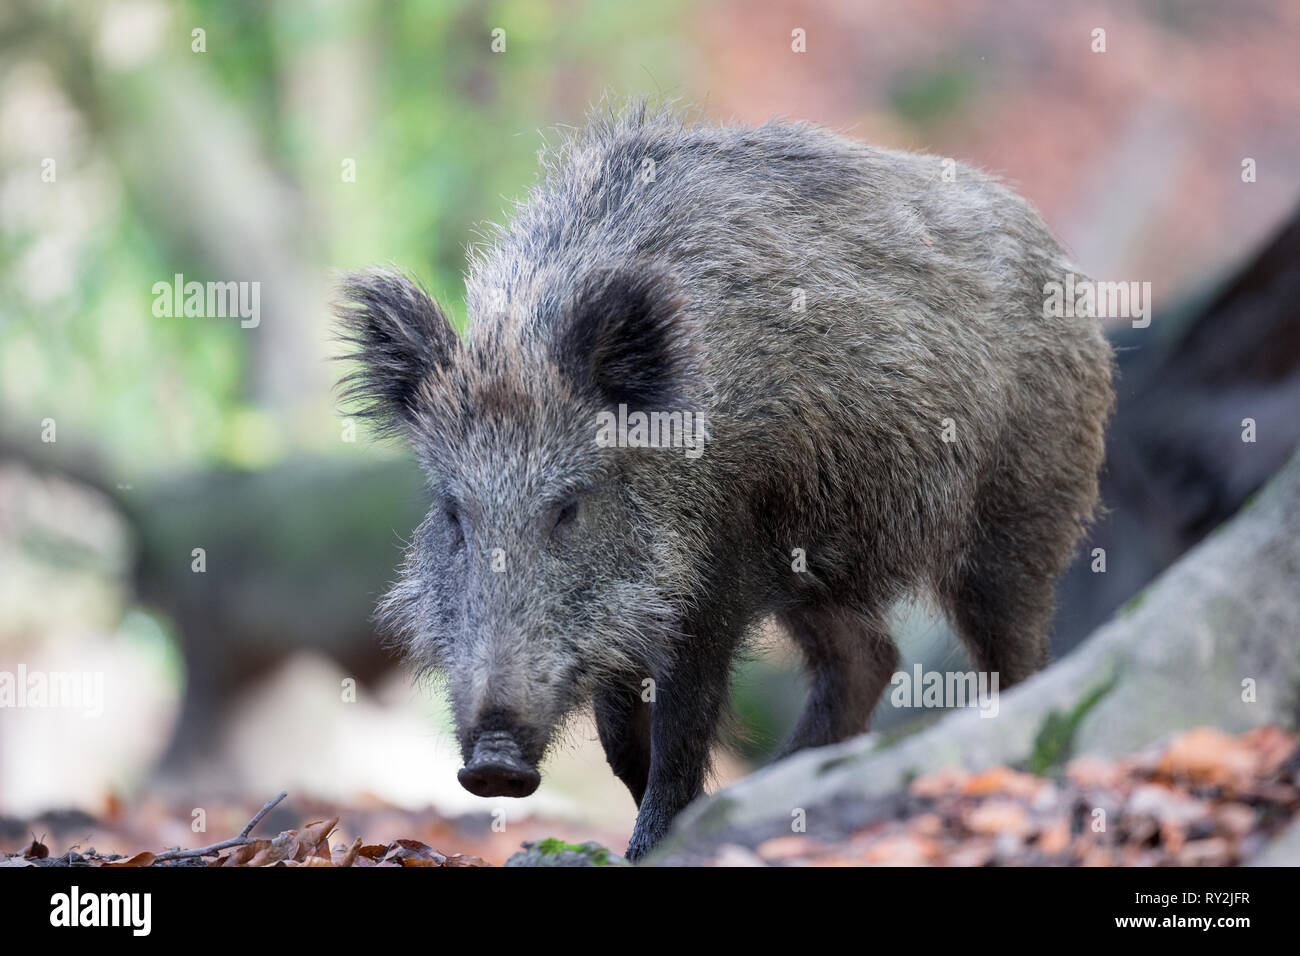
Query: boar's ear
(629,338)
(400,337)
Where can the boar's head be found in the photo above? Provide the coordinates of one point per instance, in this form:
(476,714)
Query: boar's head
(547,568)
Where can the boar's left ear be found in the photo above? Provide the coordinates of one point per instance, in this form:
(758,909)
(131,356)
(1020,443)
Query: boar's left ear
(628,337)
(400,335)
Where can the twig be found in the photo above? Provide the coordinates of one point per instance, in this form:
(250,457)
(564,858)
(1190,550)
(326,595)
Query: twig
(261,813)
(242,840)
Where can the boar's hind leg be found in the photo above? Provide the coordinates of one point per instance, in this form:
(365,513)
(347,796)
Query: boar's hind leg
(1003,596)
(623,722)
(850,659)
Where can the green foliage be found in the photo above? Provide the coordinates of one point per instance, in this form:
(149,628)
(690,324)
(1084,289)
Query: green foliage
(1135,602)
(444,134)
(928,96)
(1055,738)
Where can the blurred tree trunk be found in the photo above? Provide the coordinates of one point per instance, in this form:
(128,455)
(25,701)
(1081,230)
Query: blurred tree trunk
(1176,465)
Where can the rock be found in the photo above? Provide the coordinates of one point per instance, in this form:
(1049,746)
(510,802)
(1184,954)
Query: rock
(1212,642)
(553,852)
(1282,850)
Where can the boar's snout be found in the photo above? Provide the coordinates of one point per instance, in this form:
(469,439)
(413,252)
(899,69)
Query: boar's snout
(498,769)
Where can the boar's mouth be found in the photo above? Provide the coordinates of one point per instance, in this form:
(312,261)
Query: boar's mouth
(497,768)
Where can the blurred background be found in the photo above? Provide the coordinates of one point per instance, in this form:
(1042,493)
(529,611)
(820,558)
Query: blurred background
(279,143)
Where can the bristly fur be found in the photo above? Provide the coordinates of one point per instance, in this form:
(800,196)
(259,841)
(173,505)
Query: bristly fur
(400,336)
(629,336)
(663,265)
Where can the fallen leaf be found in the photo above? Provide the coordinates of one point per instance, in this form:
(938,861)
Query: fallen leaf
(944,781)
(240,855)
(903,849)
(1054,839)
(1237,818)
(1211,852)
(400,851)
(1209,756)
(999,816)
(731,854)
(350,855)
(1094,772)
(1003,780)
(977,852)
(786,847)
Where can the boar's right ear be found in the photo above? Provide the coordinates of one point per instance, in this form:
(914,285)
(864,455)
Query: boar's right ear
(400,335)
(629,338)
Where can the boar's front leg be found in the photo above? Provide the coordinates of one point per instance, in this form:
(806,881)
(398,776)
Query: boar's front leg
(623,722)
(683,722)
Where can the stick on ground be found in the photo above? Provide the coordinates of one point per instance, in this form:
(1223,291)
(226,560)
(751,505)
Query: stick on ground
(242,840)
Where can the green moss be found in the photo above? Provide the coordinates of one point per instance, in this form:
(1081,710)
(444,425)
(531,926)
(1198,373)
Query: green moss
(1135,602)
(1055,738)
(826,766)
(598,855)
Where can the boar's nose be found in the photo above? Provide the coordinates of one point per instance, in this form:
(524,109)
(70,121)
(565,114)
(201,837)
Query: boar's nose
(497,769)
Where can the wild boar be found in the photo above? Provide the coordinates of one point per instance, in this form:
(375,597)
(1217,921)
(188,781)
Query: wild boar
(857,337)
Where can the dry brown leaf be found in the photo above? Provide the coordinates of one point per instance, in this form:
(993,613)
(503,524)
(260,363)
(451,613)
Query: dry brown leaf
(350,855)
(976,852)
(786,847)
(1094,772)
(1209,756)
(732,855)
(277,849)
(993,817)
(240,855)
(1273,745)
(1165,805)
(1214,851)
(140,859)
(1054,839)
(940,782)
(926,824)
(902,849)
(1003,780)
(310,838)
(402,850)
(1237,818)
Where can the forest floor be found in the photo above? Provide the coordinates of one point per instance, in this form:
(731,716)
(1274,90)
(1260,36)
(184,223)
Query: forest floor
(144,829)
(1204,798)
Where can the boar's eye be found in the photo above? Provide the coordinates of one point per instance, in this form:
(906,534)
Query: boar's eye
(455,530)
(565,514)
